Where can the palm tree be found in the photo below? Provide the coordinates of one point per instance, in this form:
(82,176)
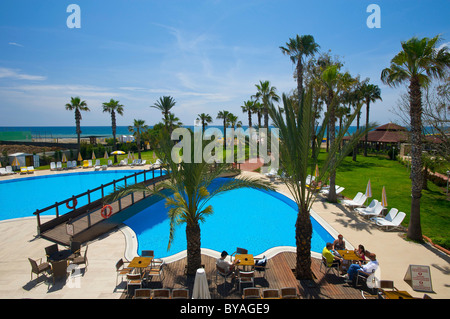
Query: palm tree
(299,48)
(258,109)
(266,94)
(419,61)
(233,120)
(249,107)
(371,93)
(165,104)
(205,118)
(224,116)
(136,129)
(187,195)
(112,107)
(299,160)
(172,121)
(77,105)
(334,81)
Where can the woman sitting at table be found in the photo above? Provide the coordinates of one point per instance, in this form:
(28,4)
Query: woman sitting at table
(361,252)
(339,243)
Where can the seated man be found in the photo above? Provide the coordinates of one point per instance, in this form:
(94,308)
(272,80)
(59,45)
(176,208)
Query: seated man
(329,256)
(227,266)
(368,268)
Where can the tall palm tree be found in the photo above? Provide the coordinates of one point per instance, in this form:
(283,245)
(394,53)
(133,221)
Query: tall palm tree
(224,116)
(78,105)
(419,61)
(112,107)
(298,49)
(334,81)
(266,94)
(137,128)
(249,107)
(299,160)
(206,119)
(371,93)
(187,194)
(233,120)
(165,104)
(258,110)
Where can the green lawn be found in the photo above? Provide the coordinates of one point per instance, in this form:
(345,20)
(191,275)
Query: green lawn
(395,177)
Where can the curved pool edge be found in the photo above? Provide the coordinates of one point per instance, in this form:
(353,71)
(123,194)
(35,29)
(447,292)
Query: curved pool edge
(131,242)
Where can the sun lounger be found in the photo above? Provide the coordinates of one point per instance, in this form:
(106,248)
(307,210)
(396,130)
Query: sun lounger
(74,164)
(373,212)
(104,167)
(158,162)
(123,162)
(89,163)
(389,217)
(85,164)
(395,223)
(110,163)
(143,162)
(356,198)
(23,170)
(30,169)
(371,206)
(59,166)
(97,162)
(326,190)
(3,171)
(52,166)
(9,170)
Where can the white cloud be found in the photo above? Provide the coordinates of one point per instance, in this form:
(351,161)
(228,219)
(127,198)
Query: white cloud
(16,44)
(16,74)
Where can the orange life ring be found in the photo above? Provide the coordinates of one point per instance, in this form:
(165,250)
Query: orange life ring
(75,202)
(105,212)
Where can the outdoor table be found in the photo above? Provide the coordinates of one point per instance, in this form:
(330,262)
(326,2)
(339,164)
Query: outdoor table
(60,255)
(201,290)
(245,260)
(140,262)
(399,294)
(349,255)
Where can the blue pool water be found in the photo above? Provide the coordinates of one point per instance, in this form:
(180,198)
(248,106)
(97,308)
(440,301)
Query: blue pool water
(248,218)
(21,197)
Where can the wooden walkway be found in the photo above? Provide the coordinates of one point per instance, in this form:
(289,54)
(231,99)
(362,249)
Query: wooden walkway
(279,274)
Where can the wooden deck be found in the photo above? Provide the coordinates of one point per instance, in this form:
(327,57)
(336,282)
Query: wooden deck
(279,274)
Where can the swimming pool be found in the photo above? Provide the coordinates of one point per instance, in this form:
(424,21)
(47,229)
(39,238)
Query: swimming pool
(21,197)
(253,219)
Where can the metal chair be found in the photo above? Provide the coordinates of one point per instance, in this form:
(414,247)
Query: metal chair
(246,277)
(335,266)
(134,280)
(121,270)
(271,294)
(251,293)
(180,293)
(161,293)
(142,293)
(289,293)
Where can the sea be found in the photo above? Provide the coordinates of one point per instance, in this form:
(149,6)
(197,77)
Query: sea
(53,132)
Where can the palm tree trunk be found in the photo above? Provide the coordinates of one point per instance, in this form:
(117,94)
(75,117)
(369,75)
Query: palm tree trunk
(366,138)
(78,129)
(113,125)
(249,118)
(332,193)
(266,116)
(300,80)
(355,149)
(303,234)
(194,257)
(414,227)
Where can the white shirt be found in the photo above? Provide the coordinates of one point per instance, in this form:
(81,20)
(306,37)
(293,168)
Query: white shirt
(371,266)
(222,263)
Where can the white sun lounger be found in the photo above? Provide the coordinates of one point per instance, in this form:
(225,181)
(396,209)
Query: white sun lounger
(389,217)
(52,166)
(326,190)
(356,198)
(59,166)
(30,169)
(3,171)
(9,170)
(373,212)
(371,206)
(394,223)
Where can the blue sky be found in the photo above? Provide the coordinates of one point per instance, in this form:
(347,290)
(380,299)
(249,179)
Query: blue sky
(208,55)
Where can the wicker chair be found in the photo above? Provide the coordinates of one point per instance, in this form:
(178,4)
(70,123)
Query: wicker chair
(180,293)
(38,268)
(50,250)
(82,260)
(161,293)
